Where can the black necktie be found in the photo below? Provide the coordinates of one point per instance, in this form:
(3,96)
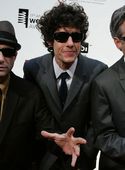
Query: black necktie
(63,87)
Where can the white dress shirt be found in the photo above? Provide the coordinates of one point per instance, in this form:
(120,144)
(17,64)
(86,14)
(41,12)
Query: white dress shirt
(70,71)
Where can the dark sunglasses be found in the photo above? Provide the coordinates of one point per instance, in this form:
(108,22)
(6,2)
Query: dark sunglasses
(8,52)
(122,38)
(63,36)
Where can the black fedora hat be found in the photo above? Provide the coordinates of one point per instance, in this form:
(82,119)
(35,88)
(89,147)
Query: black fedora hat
(7,35)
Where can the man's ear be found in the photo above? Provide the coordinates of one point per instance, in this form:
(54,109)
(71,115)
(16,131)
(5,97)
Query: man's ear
(50,44)
(15,55)
(117,42)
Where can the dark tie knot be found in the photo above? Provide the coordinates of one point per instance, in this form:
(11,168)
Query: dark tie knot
(64,76)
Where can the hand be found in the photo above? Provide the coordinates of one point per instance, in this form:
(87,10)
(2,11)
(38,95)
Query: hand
(69,144)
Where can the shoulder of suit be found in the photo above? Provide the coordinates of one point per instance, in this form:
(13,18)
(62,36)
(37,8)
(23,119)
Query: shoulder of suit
(91,61)
(92,65)
(22,86)
(40,60)
(107,77)
(112,72)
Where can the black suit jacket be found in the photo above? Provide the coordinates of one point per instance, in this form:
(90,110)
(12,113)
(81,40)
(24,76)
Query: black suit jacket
(76,111)
(108,99)
(23,107)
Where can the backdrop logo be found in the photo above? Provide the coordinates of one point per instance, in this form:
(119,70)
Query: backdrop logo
(27,18)
(23,16)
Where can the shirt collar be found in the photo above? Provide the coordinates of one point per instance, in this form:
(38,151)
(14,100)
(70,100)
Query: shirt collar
(58,70)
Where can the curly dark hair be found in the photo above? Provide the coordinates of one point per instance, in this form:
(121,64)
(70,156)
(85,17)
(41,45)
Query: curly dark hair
(117,19)
(63,15)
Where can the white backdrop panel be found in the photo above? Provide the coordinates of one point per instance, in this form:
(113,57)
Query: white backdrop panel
(99,13)
(101,45)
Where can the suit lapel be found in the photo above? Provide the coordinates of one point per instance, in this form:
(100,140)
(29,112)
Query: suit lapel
(52,86)
(80,77)
(48,77)
(9,107)
(121,66)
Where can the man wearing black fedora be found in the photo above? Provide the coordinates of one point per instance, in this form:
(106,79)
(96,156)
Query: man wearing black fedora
(23,113)
(20,107)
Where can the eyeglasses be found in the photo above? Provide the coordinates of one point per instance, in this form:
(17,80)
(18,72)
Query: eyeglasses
(8,52)
(63,36)
(122,38)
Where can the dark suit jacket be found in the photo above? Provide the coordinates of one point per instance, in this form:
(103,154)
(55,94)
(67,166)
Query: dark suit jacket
(76,111)
(108,99)
(23,107)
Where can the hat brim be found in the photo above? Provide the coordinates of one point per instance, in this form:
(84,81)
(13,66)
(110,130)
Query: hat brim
(17,46)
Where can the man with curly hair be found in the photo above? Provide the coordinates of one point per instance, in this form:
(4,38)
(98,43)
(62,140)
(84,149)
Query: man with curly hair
(23,113)
(64,30)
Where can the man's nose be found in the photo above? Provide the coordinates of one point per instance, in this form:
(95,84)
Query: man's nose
(70,41)
(1,56)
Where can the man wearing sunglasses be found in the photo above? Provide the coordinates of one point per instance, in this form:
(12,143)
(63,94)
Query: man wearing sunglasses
(20,106)
(108,96)
(24,113)
(64,30)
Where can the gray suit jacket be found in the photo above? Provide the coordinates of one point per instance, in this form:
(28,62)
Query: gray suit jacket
(76,112)
(108,96)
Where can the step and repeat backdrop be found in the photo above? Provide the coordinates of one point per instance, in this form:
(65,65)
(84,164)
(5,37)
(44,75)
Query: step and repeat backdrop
(25,13)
